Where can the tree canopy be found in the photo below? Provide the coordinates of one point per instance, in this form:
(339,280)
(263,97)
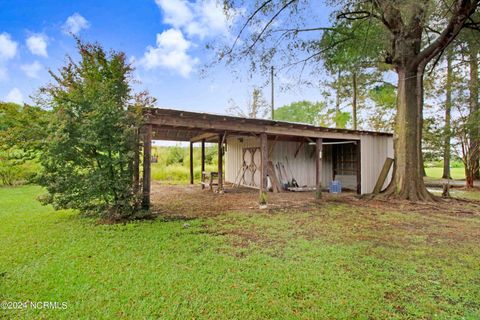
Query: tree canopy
(303,112)
(92,135)
(412,34)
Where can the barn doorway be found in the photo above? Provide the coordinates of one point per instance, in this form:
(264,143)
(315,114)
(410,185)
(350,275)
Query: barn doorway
(346,164)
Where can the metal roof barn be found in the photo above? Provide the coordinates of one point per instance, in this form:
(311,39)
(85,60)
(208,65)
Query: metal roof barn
(270,154)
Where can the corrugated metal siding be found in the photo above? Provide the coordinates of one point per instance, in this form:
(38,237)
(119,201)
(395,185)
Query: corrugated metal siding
(374,151)
(302,167)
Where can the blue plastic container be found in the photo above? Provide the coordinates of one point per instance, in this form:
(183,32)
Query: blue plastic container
(335,186)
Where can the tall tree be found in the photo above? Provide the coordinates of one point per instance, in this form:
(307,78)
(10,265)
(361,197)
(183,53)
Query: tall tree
(257,106)
(304,112)
(466,149)
(336,94)
(92,138)
(418,31)
(381,116)
(354,62)
(447,132)
(473,83)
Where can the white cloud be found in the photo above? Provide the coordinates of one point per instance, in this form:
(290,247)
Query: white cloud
(75,23)
(15,95)
(32,69)
(170,53)
(8,50)
(37,44)
(8,47)
(176,12)
(202,18)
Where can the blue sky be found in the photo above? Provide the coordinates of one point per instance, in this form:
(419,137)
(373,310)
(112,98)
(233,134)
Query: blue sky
(164,38)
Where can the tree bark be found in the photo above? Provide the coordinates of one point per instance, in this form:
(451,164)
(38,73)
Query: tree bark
(337,101)
(410,60)
(474,109)
(408,181)
(354,100)
(448,109)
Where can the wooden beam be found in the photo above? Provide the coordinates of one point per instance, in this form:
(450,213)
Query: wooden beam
(191,162)
(298,149)
(156,113)
(220,162)
(359,167)
(173,134)
(147,156)
(234,126)
(204,136)
(318,168)
(203,160)
(383,176)
(263,165)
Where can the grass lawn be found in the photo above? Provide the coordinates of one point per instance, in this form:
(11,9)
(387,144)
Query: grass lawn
(339,261)
(436,173)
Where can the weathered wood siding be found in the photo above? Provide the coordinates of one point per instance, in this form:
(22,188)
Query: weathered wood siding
(374,151)
(302,166)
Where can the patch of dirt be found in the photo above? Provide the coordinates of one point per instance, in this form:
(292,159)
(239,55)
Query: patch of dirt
(343,217)
(193,202)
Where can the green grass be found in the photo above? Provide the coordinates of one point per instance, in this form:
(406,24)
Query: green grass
(461,194)
(339,261)
(177,173)
(436,173)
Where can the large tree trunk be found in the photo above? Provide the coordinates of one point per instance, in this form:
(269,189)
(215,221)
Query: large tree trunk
(469,177)
(337,101)
(354,100)
(474,109)
(410,60)
(407,181)
(448,108)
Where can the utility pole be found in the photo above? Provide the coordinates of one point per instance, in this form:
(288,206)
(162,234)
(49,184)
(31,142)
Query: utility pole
(273,93)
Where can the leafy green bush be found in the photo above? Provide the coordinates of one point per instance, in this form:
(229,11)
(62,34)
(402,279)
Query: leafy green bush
(16,168)
(175,155)
(22,132)
(439,164)
(178,173)
(89,154)
(173,163)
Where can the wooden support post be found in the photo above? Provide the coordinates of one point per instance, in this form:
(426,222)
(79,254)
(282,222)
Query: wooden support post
(334,161)
(191,162)
(220,162)
(263,167)
(319,167)
(359,167)
(136,163)
(147,156)
(203,161)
